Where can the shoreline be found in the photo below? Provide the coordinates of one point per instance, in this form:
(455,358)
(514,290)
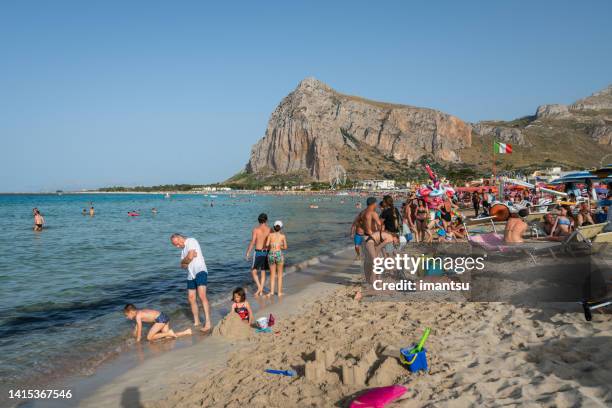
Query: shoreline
(307,279)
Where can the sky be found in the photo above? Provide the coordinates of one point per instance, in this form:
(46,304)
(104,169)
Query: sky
(95,94)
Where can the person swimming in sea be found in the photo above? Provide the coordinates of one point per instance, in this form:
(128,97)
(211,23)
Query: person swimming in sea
(39,220)
(241,307)
(92,212)
(276,244)
(161,323)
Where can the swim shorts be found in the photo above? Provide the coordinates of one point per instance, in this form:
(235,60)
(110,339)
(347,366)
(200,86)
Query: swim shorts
(358,239)
(201,279)
(162,318)
(275,257)
(260,260)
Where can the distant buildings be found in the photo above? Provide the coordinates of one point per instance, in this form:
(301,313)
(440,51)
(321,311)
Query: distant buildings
(373,185)
(209,189)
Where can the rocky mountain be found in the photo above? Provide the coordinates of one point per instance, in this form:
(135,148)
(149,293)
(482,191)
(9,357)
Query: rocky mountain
(316,128)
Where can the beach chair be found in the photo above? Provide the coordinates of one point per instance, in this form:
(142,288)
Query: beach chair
(588,307)
(603,238)
(494,243)
(535,217)
(483,221)
(589,232)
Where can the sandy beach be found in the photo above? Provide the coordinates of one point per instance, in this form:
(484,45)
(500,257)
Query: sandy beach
(480,354)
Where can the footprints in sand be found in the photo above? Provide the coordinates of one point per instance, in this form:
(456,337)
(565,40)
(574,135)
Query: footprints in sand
(479,355)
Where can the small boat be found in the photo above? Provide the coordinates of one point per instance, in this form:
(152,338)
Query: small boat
(167,195)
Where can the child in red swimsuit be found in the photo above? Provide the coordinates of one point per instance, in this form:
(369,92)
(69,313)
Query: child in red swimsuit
(241,306)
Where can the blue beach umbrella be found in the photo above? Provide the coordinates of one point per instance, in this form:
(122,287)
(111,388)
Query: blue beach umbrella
(576,177)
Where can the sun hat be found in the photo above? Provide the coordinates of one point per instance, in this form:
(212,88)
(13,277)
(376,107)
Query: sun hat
(278,223)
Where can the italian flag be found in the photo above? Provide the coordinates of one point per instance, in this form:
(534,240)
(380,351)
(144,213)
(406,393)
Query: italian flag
(502,148)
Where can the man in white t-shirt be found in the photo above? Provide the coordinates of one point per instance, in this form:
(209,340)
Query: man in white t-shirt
(192,259)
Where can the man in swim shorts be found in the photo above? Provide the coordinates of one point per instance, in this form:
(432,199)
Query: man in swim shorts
(259,236)
(357,232)
(192,259)
(39,220)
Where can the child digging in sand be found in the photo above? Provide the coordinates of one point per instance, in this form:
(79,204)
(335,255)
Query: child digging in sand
(276,244)
(241,306)
(161,323)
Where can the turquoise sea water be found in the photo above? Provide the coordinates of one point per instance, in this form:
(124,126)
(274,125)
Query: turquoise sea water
(62,290)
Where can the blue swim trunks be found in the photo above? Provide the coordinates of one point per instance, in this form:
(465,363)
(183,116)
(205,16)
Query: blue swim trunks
(162,318)
(358,239)
(260,260)
(201,279)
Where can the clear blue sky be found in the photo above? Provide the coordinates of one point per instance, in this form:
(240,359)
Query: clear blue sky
(146,92)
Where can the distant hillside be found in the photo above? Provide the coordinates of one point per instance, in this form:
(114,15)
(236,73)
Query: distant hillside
(315,128)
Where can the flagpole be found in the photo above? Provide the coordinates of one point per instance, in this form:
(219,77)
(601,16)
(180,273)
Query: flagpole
(493,151)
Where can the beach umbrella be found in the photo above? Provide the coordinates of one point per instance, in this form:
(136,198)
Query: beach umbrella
(575,177)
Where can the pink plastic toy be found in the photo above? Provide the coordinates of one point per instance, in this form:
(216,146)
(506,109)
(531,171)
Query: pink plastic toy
(379,397)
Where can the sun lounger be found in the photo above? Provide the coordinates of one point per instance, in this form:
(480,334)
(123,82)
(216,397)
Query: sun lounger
(588,232)
(485,221)
(493,242)
(603,238)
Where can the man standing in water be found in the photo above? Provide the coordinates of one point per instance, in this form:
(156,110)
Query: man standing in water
(260,259)
(357,233)
(39,220)
(192,259)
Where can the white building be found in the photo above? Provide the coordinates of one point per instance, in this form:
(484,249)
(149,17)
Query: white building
(372,185)
(546,175)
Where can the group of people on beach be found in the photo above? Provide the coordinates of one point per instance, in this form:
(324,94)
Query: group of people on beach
(267,247)
(383,224)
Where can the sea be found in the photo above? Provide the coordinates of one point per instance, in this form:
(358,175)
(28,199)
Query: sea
(62,290)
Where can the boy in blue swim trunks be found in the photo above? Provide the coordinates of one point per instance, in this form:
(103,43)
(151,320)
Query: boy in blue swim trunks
(358,233)
(197,276)
(161,323)
(259,235)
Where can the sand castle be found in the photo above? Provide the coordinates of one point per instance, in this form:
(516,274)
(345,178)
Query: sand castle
(233,328)
(371,369)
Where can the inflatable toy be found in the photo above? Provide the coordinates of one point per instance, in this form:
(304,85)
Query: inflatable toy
(379,397)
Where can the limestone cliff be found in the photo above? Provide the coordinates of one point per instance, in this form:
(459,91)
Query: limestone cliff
(315,128)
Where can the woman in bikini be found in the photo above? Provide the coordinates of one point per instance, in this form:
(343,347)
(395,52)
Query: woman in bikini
(422,221)
(562,226)
(276,244)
